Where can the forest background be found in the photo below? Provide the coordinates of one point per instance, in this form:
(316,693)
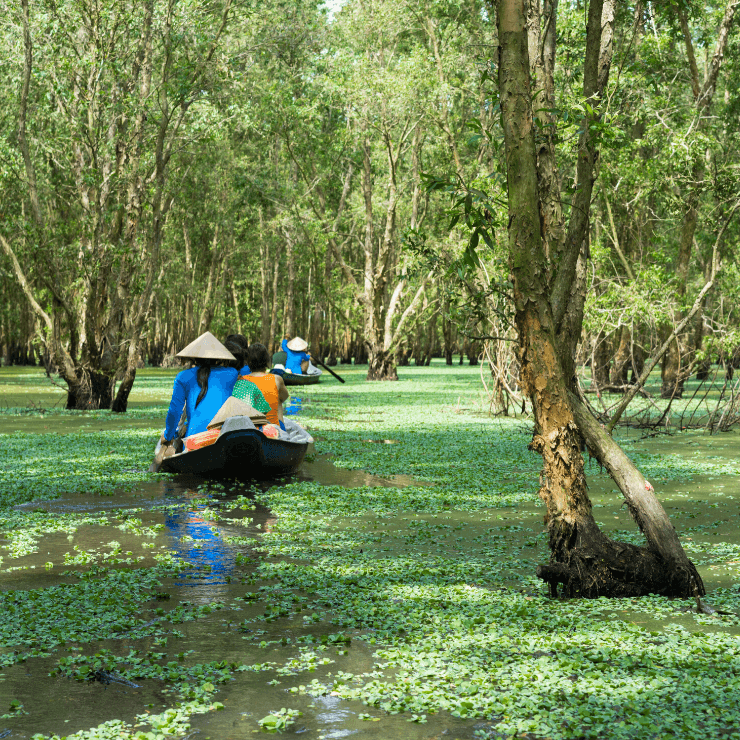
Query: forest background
(283,168)
(358,174)
(543,187)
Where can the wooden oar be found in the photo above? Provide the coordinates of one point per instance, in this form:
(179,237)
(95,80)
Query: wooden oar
(318,362)
(159,456)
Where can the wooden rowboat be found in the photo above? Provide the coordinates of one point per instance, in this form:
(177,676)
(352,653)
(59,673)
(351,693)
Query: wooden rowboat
(242,451)
(294,379)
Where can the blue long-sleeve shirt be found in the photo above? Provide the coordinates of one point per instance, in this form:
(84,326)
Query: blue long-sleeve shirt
(185,393)
(293,363)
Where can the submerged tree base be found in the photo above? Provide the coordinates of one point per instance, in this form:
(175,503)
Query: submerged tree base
(382,366)
(603,567)
(89,391)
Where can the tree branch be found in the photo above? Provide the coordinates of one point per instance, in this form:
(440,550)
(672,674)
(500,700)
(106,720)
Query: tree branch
(723,36)
(585,166)
(615,239)
(410,309)
(650,364)
(695,88)
(20,276)
(23,113)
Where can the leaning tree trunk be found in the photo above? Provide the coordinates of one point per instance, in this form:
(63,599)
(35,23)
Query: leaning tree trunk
(583,560)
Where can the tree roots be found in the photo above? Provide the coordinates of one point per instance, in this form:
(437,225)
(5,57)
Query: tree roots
(616,569)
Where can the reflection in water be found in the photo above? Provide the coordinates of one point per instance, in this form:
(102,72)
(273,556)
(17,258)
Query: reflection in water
(333,716)
(293,406)
(201,543)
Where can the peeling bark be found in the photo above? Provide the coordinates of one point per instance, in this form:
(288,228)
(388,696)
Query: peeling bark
(548,317)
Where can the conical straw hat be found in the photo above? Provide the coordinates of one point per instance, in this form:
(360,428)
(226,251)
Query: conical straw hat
(236,407)
(206,346)
(297,344)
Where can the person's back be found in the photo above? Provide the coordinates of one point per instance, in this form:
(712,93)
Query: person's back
(271,386)
(201,389)
(220,385)
(295,350)
(246,390)
(267,385)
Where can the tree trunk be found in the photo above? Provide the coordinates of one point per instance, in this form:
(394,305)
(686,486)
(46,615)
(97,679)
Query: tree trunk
(582,559)
(638,362)
(600,362)
(206,314)
(289,322)
(120,402)
(473,352)
(274,344)
(90,391)
(662,566)
(705,365)
(381,365)
(622,359)
(431,338)
(235,299)
(671,383)
(677,355)
(447,331)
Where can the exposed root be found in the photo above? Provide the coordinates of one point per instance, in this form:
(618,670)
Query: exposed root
(603,567)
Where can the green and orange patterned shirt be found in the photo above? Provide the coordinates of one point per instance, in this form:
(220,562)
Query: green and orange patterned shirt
(248,391)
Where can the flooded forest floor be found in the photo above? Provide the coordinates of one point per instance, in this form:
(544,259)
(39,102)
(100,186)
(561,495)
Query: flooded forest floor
(386,590)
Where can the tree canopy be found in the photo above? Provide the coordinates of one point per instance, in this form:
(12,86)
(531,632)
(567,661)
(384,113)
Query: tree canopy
(540,186)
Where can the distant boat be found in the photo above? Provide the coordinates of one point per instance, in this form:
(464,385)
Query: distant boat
(295,379)
(242,451)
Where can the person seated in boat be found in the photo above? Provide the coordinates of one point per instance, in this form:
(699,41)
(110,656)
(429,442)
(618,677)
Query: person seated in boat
(243,389)
(297,358)
(279,359)
(272,386)
(278,363)
(202,388)
(238,345)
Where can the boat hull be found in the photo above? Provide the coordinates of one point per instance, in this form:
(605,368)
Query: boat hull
(293,379)
(241,453)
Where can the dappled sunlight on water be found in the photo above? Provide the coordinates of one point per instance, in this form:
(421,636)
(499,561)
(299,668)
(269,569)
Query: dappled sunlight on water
(348,595)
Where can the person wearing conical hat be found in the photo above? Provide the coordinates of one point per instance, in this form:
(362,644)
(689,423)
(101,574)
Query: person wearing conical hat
(203,388)
(298,358)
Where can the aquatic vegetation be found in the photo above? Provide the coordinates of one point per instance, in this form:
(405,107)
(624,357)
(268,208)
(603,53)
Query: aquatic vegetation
(279,720)
(433,581)
(103,604)
(15,709)
(38,466)
(172,722)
